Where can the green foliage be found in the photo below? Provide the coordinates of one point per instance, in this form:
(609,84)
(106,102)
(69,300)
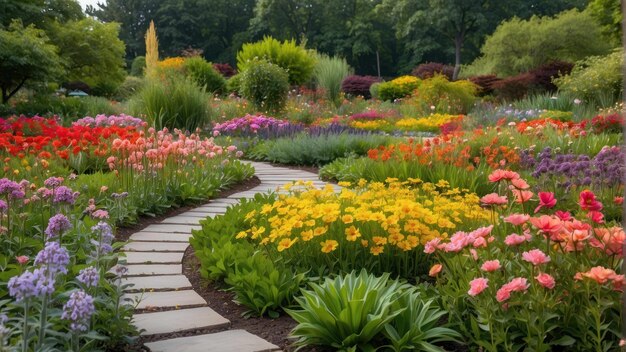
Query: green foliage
(392,91)
(608,13)
(138,67)
(92,53)
(294,59)
(203,73)
(26,56)
(520,45)
(375,90)
(233,84)
(597,79)
(178,104)
(265,85)
(128,88)
(304,149)
(68,108)
(447,97)
(329,73)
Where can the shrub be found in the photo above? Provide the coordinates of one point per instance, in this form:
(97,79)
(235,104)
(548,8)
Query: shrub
(544,75)
(178,104)
(128,88)
(520,45)
(485,83)
(358,85)
(226,70)
(294,59)
(398,88)
(431,69)
(233,84)
(203,73)
(329,74)
(375,90)
(515,87)
(138,67)
(446,97)
(595,79)
(68,108)
(265,85)
(77,85)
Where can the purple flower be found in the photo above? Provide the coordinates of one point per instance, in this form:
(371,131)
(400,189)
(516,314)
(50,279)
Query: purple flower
(89,276)
(64,194)
(45,282)
(53,258)
(78,310)
(57,225)
(121,271)
(53,182)
(3,206)
(3,329)
(105,238)
(23,286)
(7,186)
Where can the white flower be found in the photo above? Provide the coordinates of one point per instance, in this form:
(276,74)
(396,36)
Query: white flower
(577,101)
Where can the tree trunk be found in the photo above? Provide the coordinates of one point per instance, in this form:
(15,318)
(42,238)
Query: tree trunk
(458,45)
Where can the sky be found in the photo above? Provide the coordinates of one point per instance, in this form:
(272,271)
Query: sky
(84,3)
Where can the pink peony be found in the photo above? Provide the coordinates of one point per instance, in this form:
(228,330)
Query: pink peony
(514,239)
(536,257)
(563,215)
(477,286)
(491,265)
(545,280)
(493,199)
(431,246)
(546,200)
(518,284)
(517,219)
(522,196)
(519,183)
(498,175)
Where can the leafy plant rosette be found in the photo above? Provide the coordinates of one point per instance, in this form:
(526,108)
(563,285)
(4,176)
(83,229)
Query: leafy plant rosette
(542,281)
(378,226)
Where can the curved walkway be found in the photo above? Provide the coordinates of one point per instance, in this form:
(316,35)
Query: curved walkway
(154,259)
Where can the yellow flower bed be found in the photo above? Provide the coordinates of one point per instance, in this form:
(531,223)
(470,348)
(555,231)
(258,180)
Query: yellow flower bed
(430,123)
(171,63)
(369,125)
(372,218)
(406,81)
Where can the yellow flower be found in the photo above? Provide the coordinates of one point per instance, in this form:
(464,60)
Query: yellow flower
(347,219)
(380,241)
(318,231)
(365,243)
(286,243)
(395,238)
(242,234)
(376,250)
(306,235)
(352,233)
(329,246)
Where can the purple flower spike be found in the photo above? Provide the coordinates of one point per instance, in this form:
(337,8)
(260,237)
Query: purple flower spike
(78,310)
(64,194)
(89,277)
(53,258)
(23,286)
(57,225)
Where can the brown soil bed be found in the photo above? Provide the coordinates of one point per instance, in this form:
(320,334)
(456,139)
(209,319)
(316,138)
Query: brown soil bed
(123,233)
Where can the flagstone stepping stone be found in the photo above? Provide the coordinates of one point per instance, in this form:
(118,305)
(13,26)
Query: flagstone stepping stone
(166,299)
(183,220)
(160,236)
(154,257)
(179,320)
(157,282)
(220,201)
(153,269)
(231,341)
(169,228)
(155,247)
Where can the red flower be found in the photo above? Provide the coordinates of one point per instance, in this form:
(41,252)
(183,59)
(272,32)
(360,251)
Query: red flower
(546,200)
(587,201)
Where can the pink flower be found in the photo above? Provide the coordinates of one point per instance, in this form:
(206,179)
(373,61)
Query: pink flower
(480,242)
(596,217)
(522,196)
(482,231)
(503,294)
(519,183)
(436,269)
(514,239)
(498,175)
(22,259)
(518,284)
(547,224)
(563,215)
(491,265)
(587,201)
(477,286)
(517,219)
(493,199)
(545,280)
(474,253)
(546,200)
(610,240)
(431,246)
(536,257)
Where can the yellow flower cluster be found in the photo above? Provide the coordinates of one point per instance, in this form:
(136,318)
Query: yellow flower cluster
(375,217)
(369,125)
(406,81)
(430,123)
(171,63)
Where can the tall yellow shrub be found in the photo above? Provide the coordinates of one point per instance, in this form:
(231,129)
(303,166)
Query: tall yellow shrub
(152,49)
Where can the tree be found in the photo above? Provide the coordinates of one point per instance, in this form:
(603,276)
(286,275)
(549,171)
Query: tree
(609,14)
(520,45)
(39,12)
(25,56)
(91,52)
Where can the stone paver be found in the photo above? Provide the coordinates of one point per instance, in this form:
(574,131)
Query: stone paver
(157,282)
(154,269)
(182,220)
(168,228)
(179,320)
(226,341)
(167,299)
(160,236)
(155,247)
(154,257)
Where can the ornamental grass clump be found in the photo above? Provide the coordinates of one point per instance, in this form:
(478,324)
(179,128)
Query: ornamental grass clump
(523,282)
(377,226)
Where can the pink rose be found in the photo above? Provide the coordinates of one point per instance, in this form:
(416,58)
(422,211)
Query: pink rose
(536,257)
(517,219)
(490,265)
(514,240)
(545,280)
(477,286)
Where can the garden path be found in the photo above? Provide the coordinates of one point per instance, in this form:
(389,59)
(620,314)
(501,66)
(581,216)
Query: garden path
(154,259)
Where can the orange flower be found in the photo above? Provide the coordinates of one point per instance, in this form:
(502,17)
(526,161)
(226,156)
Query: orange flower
(436,269)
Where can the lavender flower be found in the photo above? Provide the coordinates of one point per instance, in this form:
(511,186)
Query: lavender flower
(105,238)
(119,195)
(89,276)
(7,186)
(3,206)
(53,182)
(53,258)
(44,282)
(78,310)
(121,271)
(3,329)
(23,286)
(57,225)
(64,194)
